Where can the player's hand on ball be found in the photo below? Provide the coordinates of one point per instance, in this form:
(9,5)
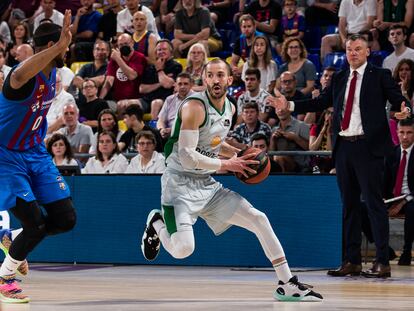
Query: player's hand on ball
(258,170)
(240,164)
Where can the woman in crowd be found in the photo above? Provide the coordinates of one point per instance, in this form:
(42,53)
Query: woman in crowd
(295,56)
(320,139)
(404,75)
(107,121)
(196,60)
(148,161)
(20,35)
(261,58)
(108,160)
(59,148)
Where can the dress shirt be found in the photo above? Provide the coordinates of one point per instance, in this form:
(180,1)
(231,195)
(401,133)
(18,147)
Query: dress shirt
(355,125)
(405,189)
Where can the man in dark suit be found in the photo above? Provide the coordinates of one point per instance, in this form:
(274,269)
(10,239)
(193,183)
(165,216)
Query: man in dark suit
(361,139)
(399,180)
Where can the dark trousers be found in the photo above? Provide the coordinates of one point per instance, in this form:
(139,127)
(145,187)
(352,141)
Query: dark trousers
(409,226)
(359,172)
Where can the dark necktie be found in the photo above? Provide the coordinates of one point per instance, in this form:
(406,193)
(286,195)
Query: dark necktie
(400,175)
(349,102)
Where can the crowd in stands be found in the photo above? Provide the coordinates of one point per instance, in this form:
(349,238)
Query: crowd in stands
(133,62)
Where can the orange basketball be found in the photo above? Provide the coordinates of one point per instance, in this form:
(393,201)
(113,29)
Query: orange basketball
(262,169)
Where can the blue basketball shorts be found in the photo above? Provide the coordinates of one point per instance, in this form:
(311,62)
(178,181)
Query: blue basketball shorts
(29,175)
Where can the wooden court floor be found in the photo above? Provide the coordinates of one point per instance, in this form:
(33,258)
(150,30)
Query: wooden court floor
(86,287)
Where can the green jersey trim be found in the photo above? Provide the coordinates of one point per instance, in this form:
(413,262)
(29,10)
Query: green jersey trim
(169,219)
(174,138)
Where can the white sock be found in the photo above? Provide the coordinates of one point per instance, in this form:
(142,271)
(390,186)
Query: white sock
(15,233)
(9,266)
(283,271)
(158,225)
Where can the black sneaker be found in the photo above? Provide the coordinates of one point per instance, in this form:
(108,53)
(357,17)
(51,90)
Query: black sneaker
(150,244)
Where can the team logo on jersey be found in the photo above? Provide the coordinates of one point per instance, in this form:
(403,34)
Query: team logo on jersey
(226,122)
(41,88)
(121,76)
(209,154)
(35,106)
(215,141)
(62,186)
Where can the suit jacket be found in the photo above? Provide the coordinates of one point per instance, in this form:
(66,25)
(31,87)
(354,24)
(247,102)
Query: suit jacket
(377,87)
(392,162)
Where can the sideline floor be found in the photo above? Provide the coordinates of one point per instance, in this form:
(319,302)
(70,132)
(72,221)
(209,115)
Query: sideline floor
(86,287)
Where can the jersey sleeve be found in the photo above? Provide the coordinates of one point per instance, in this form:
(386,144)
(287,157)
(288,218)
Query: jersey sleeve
(18,94)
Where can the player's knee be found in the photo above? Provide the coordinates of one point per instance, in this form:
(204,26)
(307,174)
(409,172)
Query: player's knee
(184,244)
(31,217)
(61,216)
(260,218)
(183,249)
(67,222)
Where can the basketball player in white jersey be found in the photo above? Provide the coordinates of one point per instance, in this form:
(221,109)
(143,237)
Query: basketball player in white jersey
(188,191)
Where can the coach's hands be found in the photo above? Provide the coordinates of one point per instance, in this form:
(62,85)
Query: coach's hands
(404,114)
(279,102)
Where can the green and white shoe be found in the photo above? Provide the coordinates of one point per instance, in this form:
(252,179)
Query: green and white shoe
(293,290)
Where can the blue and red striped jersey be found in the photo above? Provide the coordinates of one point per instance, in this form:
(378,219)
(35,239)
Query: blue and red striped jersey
(23,122)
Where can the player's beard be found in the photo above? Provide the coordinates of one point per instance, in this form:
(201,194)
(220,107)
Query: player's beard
(214,95)
(59,62)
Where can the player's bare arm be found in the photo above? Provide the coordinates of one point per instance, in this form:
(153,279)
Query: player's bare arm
(192,116)
(38,62)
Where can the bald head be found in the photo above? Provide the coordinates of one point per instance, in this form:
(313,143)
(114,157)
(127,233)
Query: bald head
(288,83)
(23,52)
(124,39)
(139,21)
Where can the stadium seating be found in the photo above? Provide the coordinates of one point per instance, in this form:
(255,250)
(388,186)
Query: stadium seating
(336,59)
(76,66)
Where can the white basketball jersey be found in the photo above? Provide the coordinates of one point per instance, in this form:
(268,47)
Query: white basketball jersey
(212,133)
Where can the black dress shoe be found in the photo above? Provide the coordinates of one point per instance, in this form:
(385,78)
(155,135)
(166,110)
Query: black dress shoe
(405,259)
(378,270)
(346,269)
(391,253)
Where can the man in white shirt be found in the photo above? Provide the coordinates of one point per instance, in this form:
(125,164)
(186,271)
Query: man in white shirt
(166,117)
(397,36)
(361,139)
(124,18)
(55,114)
(49,12)
(399,180)
(148,161)
(254,93)
(355,16)
(79,135)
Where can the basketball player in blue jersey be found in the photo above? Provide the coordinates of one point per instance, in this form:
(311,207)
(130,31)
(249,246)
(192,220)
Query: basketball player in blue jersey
(27,174)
